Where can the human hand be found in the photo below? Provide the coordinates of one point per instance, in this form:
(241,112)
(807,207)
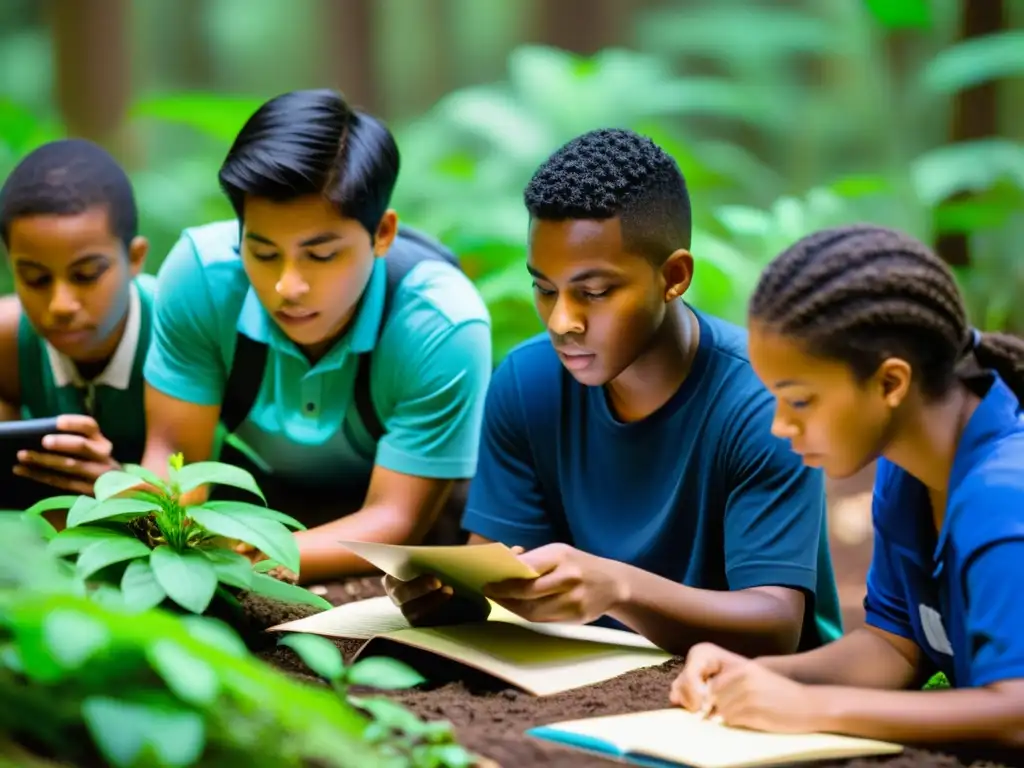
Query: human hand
(690,690)
(743,693)
(72,459)
(573,586)
(279,572)
(427,601)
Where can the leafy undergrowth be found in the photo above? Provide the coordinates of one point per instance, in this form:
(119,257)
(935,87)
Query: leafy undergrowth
(105,656)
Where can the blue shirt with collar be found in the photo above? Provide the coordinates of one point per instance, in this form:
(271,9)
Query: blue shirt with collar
(699,492)
(432,364)
(957,594)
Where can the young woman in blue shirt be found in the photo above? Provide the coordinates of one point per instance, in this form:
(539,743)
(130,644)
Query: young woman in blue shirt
(861,335)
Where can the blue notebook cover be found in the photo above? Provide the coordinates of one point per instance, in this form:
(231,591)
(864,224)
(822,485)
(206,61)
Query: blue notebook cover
(598,746)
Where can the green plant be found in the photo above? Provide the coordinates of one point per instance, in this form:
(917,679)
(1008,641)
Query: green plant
(138,545)
(395,728)
(83,681)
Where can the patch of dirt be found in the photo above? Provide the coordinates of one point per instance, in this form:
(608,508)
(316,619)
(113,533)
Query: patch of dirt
(491,718)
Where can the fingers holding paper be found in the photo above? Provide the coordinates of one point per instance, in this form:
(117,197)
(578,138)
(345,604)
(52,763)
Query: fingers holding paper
(743,693)
(573,586)
(426,601)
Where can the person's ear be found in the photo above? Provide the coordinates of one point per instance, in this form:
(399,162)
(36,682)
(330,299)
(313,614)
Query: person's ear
(387,230)
(678,274)
(894,376)
(138,249)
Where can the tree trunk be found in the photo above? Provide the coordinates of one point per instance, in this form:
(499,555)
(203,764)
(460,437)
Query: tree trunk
(349,34)
(93,69)
(975,110)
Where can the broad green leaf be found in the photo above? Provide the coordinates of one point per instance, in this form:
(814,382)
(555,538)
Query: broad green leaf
(254,510)
(108,596)
(73,637)
(390,713)
(447,755)
(106,552)
(189,677)
(216,633)
(111,509)
(268,586)
(901,14)
(39,525)
(52,503)
(139,587)
(265,566)
(974,61)
(215,114)
(114,482)
(203,472)
(232,568)
(318,653)
(188,578)
(268,536)
(383,672)
(148,475)
(123,730)
(72,540)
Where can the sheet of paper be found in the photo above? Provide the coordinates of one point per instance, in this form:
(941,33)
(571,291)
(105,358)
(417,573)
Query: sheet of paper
(470,567)
(683,737)
(540,664)
(360,620)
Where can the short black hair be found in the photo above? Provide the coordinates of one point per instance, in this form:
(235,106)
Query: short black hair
(861,293)
(613,172)
(67,177)
(311,142)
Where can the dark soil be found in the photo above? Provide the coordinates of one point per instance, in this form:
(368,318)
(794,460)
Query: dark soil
(491,718)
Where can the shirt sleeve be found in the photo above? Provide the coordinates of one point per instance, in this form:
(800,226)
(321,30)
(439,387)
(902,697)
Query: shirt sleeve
(995,612)
(885,606)
(505,502)
(775,509)
(184,358)
(434,427)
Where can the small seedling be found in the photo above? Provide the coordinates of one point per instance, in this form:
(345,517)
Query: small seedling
(138,535)
(396,729)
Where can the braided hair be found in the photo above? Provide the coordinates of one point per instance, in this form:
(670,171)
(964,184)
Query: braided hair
(862,293)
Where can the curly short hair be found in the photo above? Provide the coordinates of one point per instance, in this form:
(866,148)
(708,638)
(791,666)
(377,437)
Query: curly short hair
(613,172)
(65,178)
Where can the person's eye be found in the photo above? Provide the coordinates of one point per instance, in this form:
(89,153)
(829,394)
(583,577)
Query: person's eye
(543,291)
(323,256)
(87,277)
(800,404)
(263,256)
(593,294)
(36,281)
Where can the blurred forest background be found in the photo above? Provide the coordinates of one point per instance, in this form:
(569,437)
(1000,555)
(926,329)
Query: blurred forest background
(785,116)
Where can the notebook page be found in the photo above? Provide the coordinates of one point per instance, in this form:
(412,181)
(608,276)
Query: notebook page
(359,620)
(677,735)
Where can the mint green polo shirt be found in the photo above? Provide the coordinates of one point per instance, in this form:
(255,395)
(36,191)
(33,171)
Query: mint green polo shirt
(431,366)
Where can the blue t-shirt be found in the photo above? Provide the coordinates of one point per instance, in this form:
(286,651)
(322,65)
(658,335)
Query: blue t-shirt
(957,595)
(699,492)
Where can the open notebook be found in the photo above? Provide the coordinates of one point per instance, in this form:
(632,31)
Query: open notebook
(676,737)
(540,659)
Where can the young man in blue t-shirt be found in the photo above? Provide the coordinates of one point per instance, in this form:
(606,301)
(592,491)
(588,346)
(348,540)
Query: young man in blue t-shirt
(349,356)
(629,451)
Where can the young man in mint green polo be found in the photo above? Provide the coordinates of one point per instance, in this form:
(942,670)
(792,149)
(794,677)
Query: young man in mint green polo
(74,335)
(349,356)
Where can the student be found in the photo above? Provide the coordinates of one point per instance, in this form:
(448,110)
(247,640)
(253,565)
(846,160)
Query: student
(629,448)
(348,355)
(74,336)
(861,335)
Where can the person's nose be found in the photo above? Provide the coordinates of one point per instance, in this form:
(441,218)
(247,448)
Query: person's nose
(291,286)
(64,301)
(565,318)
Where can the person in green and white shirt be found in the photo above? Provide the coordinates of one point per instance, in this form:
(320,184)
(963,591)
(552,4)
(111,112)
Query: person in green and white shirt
(74,336)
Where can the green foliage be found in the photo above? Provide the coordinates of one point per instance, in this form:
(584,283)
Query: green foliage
(144,547)
(83,681)
(937,682)
(396,729)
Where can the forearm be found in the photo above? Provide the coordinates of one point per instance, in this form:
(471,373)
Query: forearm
(676,617)
(994,715)
(323,558)
(861,659)
(9,411)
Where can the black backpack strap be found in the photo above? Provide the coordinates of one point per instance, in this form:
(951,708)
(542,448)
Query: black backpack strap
(244,381)
(398,264)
